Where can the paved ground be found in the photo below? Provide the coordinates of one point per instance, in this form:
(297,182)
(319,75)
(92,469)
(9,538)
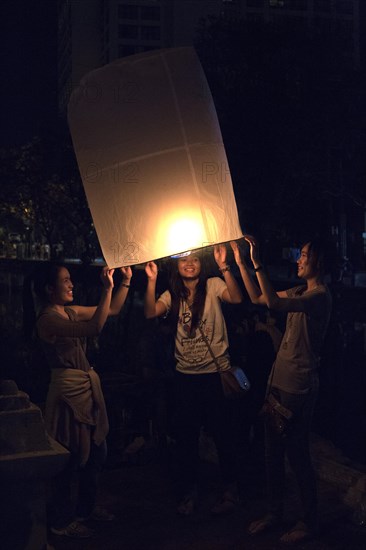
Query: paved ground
(141,496)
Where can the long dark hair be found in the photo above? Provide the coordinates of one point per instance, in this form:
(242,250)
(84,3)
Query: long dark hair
(180,292)
(317,256)
(46,276)
(35,295)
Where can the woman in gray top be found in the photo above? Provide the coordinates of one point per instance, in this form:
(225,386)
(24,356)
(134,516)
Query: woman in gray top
(293,380)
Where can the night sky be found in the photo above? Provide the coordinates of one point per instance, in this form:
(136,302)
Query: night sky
(28,63)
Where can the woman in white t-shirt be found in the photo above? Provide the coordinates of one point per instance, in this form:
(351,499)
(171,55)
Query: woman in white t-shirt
(193,306)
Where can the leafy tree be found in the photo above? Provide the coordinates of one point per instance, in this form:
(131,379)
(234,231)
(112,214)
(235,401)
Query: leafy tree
(41,188)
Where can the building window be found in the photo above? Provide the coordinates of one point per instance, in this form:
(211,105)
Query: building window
(255,17)
(323,6)
(296,23)
(124,49)
(344,6)
(126,11)
(301,5)
(344,30)
(150,33)
(289,4)
(147,48)
(128,31)
(322,26)
(255,3)
(151,13)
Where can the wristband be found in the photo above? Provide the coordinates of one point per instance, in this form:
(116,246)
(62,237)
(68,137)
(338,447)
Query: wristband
(223,269)
(125,285)
(258,268)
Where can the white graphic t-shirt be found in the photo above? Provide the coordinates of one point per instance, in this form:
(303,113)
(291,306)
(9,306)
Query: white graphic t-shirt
(191,351)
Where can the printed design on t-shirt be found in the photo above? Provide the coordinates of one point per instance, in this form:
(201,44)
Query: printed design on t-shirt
(185,320)
(193,345)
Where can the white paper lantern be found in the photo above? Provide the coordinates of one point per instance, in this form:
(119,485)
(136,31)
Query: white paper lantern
(151,157)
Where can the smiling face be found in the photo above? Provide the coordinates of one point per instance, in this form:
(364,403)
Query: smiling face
(61,293)
(305,265)
(189,267)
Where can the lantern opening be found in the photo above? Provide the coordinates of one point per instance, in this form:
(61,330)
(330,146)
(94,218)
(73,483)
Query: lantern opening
(181,232)
(182,255)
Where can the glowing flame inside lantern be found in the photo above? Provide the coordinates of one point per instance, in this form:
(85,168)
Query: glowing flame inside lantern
(182,233)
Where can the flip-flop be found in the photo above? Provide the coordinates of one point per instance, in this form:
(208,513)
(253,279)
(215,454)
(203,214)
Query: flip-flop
(187,506)
(299,533)
(266,523)
(226,505)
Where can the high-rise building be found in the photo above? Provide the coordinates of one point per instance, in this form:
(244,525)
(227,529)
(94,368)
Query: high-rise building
(92,33)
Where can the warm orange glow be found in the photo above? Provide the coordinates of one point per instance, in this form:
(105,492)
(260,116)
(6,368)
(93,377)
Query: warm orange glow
(181,231)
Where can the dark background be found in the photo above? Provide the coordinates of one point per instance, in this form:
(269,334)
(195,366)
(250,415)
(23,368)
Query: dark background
(28,68)
(274,200)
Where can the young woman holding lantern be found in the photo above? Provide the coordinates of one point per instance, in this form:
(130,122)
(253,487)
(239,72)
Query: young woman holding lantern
(192,304)
(293,382)
(75,412)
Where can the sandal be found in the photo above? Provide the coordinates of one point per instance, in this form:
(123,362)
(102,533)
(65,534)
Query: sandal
(74,530)
(187,505)
(101,514)
(300,532)
(265,524)
(226,505)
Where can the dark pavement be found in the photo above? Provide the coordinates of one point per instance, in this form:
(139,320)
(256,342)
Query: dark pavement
(140,493)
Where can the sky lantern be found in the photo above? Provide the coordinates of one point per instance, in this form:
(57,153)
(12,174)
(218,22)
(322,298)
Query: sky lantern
(151,157)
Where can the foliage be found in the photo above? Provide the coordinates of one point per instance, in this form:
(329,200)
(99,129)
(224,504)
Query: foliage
(41,191)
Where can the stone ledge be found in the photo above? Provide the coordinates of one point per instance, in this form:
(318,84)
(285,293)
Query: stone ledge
(41,464)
